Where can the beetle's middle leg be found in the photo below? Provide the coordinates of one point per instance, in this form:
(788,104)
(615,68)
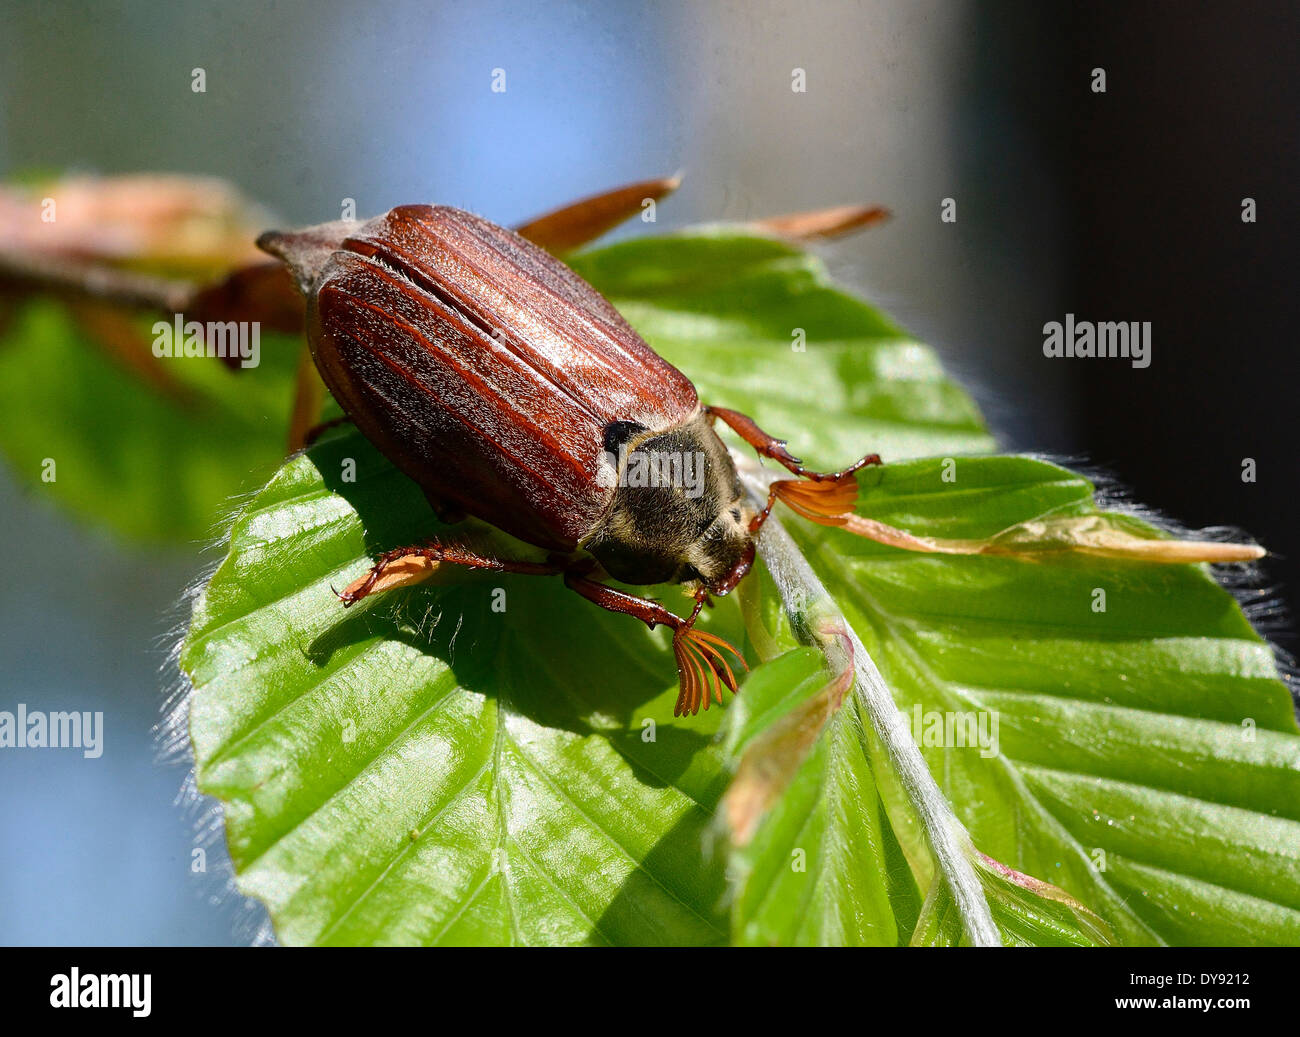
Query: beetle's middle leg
(406,565)
(702,668)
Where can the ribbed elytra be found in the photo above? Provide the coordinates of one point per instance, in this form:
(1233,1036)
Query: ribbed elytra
(510,390)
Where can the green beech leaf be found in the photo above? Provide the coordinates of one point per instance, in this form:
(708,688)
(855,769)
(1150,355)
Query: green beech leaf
(809,807)
(1029,913)
(151,463)
(759,326)
(1146,758)
(425,768)
(824,866)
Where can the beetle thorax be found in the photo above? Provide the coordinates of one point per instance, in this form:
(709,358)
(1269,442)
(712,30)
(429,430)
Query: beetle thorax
(678,512)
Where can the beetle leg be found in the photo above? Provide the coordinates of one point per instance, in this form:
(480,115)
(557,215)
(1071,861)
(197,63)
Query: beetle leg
(308,399)
(702,668)
(649,611)
(727,582)
(815,495)
(769,446)
(406,565)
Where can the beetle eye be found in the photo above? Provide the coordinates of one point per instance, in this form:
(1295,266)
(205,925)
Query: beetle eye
(619,432)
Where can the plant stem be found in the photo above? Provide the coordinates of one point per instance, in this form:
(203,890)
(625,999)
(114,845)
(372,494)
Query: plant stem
(817,618)
(97,282)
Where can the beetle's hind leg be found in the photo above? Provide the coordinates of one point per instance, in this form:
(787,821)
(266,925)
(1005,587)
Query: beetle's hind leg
(406,565)
(702,667)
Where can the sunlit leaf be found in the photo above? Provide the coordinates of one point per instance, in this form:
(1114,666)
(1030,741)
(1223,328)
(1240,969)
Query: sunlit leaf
(153,461)
(429,768)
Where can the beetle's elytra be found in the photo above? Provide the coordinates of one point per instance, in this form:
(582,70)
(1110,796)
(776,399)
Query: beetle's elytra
(511,391)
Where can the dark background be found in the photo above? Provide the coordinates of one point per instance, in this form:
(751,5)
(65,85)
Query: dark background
(1158,233)
(1202,109)
(1121,206)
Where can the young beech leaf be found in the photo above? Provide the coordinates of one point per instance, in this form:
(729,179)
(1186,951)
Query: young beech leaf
(487,759)
(1142,756)
(785,733)
(154,457)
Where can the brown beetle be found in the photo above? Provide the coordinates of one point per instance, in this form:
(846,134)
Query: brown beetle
(511,391)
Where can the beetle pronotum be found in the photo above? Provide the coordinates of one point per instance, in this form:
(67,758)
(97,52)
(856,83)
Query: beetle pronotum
(501,382)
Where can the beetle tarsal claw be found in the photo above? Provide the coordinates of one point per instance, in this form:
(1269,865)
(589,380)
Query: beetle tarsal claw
(702,669)
(389,575)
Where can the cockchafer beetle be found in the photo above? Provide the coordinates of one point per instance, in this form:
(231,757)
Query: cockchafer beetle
(510,390)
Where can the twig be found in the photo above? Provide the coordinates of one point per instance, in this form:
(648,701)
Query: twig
(76,279)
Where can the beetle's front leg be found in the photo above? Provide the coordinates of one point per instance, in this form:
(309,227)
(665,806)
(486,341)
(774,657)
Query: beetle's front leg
(702,668)
(406,565)
(769,446)
(824,497)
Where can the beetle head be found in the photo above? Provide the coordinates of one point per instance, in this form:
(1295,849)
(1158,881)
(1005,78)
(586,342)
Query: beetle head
(678,513)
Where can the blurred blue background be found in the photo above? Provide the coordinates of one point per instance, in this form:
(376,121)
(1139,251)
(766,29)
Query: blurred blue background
(308,103)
